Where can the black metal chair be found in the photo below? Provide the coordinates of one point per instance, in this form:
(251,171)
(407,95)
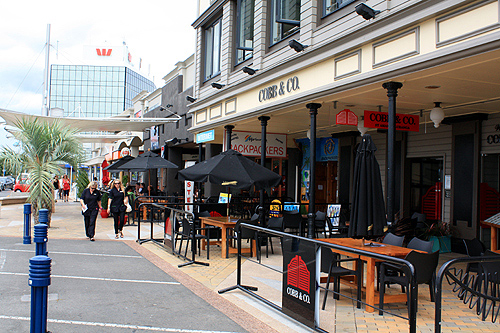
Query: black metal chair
(190,233)
(320,223)
(389,239)
(331,264)
(245,233)
(392,239)
(473,248)
(274,223)
(292,220)
(489,277)
(418,244)
(425,268)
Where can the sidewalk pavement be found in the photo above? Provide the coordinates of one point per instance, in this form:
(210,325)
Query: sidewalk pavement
(339,316)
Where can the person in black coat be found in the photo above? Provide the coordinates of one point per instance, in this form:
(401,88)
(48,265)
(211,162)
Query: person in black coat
(91,204)
(117,205)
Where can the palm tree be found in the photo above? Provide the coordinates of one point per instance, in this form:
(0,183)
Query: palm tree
(43,147)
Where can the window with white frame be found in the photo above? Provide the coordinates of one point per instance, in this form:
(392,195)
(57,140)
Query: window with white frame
(330,6)
(244,33)
(213,35)
(285,16)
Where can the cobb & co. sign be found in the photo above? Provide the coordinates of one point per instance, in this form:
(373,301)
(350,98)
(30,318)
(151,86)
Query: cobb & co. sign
(299,292)
(404,122)
(249,144)
(494,138)
(284,87)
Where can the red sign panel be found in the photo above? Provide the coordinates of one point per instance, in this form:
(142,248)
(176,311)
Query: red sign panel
(404,122)
(298,274)
(104,52)
(346,117)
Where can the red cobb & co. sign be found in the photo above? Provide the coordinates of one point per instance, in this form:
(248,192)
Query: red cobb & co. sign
(404,122)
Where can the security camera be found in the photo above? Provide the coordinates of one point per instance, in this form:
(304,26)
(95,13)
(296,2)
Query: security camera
(190,99)
(366,11)
(297,46)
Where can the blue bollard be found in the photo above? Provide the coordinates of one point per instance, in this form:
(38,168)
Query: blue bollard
(39,280)
(40,238)
(27,224)
(43,216)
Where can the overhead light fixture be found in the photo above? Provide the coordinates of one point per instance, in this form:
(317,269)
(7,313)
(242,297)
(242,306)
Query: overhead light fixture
(190,99)
(361,126)
(248,70)
(297,46)
(217,85)
(437,114)
(366,11)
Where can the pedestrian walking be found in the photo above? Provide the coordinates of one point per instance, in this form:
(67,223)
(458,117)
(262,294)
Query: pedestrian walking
(91,204)
(117,206)
(55,183)
(65,187)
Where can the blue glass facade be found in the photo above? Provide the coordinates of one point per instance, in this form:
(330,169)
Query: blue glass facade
(95,91)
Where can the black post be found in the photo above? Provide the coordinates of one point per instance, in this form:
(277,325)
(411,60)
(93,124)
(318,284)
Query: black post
(392,93)
(200,159)
(229,132)
(313,111)
(263,145)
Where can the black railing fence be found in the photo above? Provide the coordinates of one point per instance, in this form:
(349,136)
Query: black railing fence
(407,266)
(481,290)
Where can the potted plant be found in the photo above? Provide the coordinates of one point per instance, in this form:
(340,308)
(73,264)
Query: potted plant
(439,233)
(104,205)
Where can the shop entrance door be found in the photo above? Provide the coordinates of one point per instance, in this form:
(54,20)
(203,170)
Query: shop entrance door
(426,187)
(326,182)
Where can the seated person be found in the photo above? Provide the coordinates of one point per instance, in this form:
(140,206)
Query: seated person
(151,190)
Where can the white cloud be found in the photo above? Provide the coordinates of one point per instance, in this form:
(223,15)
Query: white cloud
(159,32)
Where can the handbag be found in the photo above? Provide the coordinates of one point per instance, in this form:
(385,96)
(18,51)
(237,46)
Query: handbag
(129,208)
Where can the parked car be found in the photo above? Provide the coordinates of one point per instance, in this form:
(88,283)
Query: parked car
(7,182)
(22,183)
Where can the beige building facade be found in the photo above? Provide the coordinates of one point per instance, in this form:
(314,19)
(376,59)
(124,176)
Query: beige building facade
(441,51)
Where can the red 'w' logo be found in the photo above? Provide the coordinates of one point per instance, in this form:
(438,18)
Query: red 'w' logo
(298,274)
(104,52)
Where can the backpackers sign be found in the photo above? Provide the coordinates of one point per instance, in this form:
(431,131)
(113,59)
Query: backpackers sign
(404,122)
(300,295)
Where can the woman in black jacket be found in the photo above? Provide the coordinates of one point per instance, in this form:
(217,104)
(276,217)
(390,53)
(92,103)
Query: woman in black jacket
(117,205)
(91,204)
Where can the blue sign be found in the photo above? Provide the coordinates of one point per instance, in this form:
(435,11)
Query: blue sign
(205,136)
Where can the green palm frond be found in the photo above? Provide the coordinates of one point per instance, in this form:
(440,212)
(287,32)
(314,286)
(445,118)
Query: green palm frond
(44,147)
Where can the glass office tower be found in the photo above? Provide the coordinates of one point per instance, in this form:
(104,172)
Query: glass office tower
(95,91)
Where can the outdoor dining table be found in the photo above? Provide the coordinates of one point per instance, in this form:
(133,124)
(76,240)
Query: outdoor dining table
(224,223)
(378,248)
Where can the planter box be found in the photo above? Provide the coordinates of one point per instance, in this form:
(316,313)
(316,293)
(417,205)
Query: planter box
(104,214)
(442,243)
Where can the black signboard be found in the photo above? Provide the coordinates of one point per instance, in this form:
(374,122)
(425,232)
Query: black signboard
(299,295)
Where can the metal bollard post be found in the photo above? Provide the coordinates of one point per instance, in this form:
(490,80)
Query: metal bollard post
(40,238)
(27,224)
(39,280)
(43,216)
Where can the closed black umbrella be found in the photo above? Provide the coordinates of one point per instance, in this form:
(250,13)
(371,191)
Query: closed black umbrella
(368,209)
(232,169)
(119,163)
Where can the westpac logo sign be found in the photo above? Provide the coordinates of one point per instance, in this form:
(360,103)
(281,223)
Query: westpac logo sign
(104,52)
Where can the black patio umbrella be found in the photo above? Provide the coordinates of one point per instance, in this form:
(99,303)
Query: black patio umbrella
(232,169)
(147,161)
(120,162)
(368,208)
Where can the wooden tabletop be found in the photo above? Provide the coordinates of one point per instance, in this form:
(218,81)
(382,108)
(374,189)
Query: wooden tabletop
(386,249)
(221,219)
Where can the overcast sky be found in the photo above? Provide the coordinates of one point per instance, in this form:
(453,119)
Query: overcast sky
(159,32)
